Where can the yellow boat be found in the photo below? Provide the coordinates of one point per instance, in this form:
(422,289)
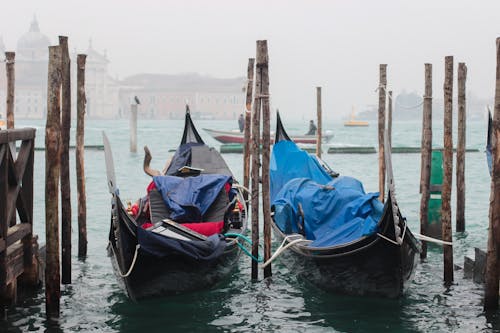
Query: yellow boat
(355,123)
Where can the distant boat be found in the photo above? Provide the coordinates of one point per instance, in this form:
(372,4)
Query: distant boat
(355,123)
(239,137)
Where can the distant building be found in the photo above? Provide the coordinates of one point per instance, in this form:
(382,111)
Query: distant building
(161,95)
(165,96)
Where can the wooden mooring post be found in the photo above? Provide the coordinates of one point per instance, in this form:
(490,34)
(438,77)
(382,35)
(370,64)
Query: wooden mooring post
(460,217)
(52,175)
(320,122)
(448,171)
(389,118)
(80,156)
(133,128)
(263,66)
(491,280)
(248,132)
(10,58)
(425,172)
(65,180)
(255,171)
(381,128)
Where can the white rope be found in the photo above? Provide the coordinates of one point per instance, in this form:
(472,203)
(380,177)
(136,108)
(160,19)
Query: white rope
(133,262)
(282,247)
(432,240)
(388,239)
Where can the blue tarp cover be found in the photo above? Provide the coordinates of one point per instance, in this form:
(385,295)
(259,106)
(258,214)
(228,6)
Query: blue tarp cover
(337,211)
(189,198)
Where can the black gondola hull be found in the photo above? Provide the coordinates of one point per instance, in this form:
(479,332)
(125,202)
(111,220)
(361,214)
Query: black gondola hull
(372,266)
(175,273)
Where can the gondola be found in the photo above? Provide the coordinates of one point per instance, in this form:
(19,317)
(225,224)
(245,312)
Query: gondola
(344,240)
(182,235)
(239,137)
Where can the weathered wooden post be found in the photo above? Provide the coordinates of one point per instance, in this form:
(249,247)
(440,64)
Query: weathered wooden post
(448,170)
(389,118)
(52,174)
(263,66)
(65,182)
(133,128)
(80,156)
(462,77)
(10,58)
(425,172)
(256,165)
(320,123)
(381,127)
(491,280)
(248,133)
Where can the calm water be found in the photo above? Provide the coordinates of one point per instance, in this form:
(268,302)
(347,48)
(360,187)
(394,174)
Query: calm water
(94,301)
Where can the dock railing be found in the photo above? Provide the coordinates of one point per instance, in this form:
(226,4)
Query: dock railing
(17,243)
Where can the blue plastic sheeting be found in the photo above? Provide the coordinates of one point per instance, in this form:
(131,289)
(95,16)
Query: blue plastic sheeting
(181,157)
(288,162)
(189,198)
(161,246)
(336,211)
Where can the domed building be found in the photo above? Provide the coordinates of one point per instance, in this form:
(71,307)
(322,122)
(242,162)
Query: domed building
(32,56)
(33,45)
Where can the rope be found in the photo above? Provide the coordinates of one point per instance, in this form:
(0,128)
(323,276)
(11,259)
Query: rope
(387,239)
(137,247)
(282,247)
(432,240)
(245,250)
(392,241)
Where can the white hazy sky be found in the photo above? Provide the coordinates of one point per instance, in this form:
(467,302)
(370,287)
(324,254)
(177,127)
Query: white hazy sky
(337,45)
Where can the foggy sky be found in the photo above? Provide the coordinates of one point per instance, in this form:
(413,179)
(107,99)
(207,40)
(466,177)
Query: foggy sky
(337,45)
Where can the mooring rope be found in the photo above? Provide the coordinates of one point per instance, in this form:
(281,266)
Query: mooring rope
(132,265)
(242,247)
(431,240)
(283,247)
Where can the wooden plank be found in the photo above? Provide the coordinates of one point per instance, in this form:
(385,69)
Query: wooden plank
(20,134)
(18,232)
(14,261)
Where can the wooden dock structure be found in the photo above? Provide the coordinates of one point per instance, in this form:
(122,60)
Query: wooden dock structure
(18,245)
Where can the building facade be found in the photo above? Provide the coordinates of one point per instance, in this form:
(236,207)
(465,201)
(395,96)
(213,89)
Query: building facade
(161,95)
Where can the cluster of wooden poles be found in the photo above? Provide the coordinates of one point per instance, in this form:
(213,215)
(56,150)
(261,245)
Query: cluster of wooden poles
(252,173)
(57,137)
(256,171)
(57,132)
